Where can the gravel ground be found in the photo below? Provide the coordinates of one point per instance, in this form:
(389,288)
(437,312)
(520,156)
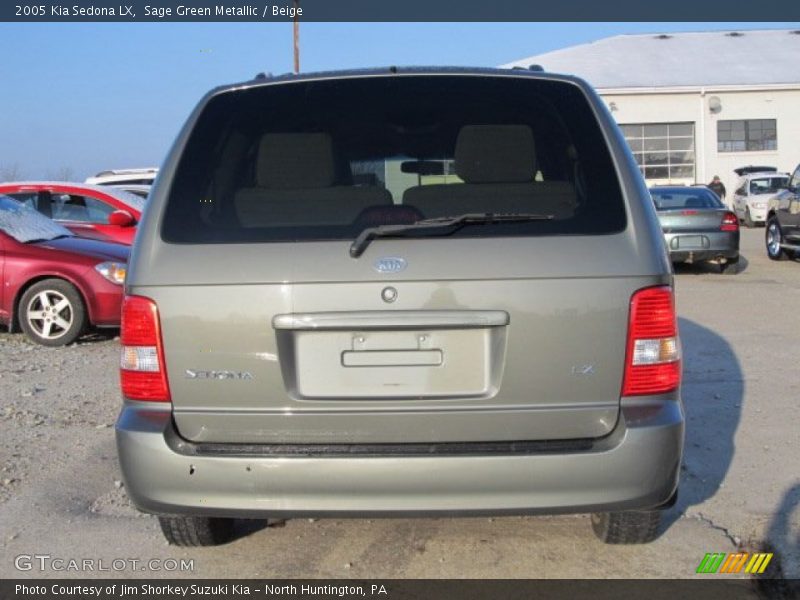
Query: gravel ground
(61,494)
(52,400)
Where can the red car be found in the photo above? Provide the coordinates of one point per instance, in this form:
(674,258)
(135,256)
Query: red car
(55,284)
(91,211)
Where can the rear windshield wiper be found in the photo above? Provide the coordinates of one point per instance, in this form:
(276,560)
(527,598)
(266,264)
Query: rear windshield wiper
(445,223)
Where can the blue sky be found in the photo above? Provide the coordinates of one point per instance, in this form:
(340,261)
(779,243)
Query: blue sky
(87,97)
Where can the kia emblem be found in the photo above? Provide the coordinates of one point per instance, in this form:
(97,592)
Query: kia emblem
(390,264)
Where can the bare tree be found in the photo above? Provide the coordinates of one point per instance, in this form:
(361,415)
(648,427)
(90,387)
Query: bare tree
(10,172)
(61,174)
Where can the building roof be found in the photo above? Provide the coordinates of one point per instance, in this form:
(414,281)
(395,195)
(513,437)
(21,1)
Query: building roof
(743,58)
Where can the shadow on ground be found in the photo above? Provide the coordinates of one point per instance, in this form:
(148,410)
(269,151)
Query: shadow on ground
(713,395)
(783,539)
(91,336)
(98,335)
(704,268)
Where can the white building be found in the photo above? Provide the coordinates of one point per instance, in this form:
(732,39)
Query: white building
(695,105)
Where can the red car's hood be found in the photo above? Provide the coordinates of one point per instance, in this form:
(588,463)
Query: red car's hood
(91,248)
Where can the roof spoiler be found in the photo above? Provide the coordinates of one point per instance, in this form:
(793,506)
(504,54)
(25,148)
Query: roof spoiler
(754,169)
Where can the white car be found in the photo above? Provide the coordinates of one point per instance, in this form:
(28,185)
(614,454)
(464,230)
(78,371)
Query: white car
(753,192)
(120,177)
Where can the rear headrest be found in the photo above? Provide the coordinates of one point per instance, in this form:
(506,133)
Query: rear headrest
(495,154)
(288,161)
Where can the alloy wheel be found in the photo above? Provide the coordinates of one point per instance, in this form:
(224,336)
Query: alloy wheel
(50,314)
(773,239)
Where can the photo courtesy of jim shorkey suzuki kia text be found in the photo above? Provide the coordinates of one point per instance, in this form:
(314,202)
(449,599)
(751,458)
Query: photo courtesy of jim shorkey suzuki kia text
(138,590)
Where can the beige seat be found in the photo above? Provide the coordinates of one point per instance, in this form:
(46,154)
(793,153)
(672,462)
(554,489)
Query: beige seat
(497,164)
(295,175)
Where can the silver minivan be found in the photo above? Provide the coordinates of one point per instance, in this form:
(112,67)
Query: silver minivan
(400,292)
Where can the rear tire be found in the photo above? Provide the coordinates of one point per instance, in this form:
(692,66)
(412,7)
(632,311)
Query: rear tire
(196,531)
(748,220)
(628,527)
(774,239)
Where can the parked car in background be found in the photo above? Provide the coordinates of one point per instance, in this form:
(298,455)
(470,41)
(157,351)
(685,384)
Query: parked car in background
(143,191)
(135,181)
(300,338)
(697,226)
(54,284)
(92,211)
(753,191)
(783,221)
(124,177)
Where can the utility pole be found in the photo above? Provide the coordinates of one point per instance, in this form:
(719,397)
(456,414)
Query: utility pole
(296,36)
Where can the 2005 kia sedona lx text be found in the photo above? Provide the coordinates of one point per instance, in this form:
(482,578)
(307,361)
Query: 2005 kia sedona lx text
(400,292)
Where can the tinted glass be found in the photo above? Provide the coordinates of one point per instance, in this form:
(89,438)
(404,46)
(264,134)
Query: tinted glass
(79,209)
(27,198)
(322,160)
(125,180)
(768,185)
(794,182)
(691,197)
(139,193)
(131,199)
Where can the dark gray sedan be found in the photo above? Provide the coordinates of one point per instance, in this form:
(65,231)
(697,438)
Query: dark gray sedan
(697,226)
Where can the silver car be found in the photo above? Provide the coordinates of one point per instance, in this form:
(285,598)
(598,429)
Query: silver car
(400,292)
(697,226)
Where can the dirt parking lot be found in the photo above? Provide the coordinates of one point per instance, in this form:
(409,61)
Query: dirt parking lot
(61,494)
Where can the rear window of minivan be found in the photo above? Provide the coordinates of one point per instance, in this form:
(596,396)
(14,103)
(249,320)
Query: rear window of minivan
(325,159)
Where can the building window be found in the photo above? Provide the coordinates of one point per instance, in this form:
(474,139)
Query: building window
(663,151)
(751,135)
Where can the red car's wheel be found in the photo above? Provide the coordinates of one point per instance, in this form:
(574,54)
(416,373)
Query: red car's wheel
(52,313)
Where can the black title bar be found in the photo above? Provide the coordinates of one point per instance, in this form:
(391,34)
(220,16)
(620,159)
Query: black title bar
(396,10)
(374,589)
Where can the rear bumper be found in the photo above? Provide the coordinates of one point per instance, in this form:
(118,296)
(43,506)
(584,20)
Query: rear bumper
(758,215)
(699,246)
(634,467)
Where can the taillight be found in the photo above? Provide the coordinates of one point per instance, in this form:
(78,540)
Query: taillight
(143,373)
(652,364)
(729,222)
